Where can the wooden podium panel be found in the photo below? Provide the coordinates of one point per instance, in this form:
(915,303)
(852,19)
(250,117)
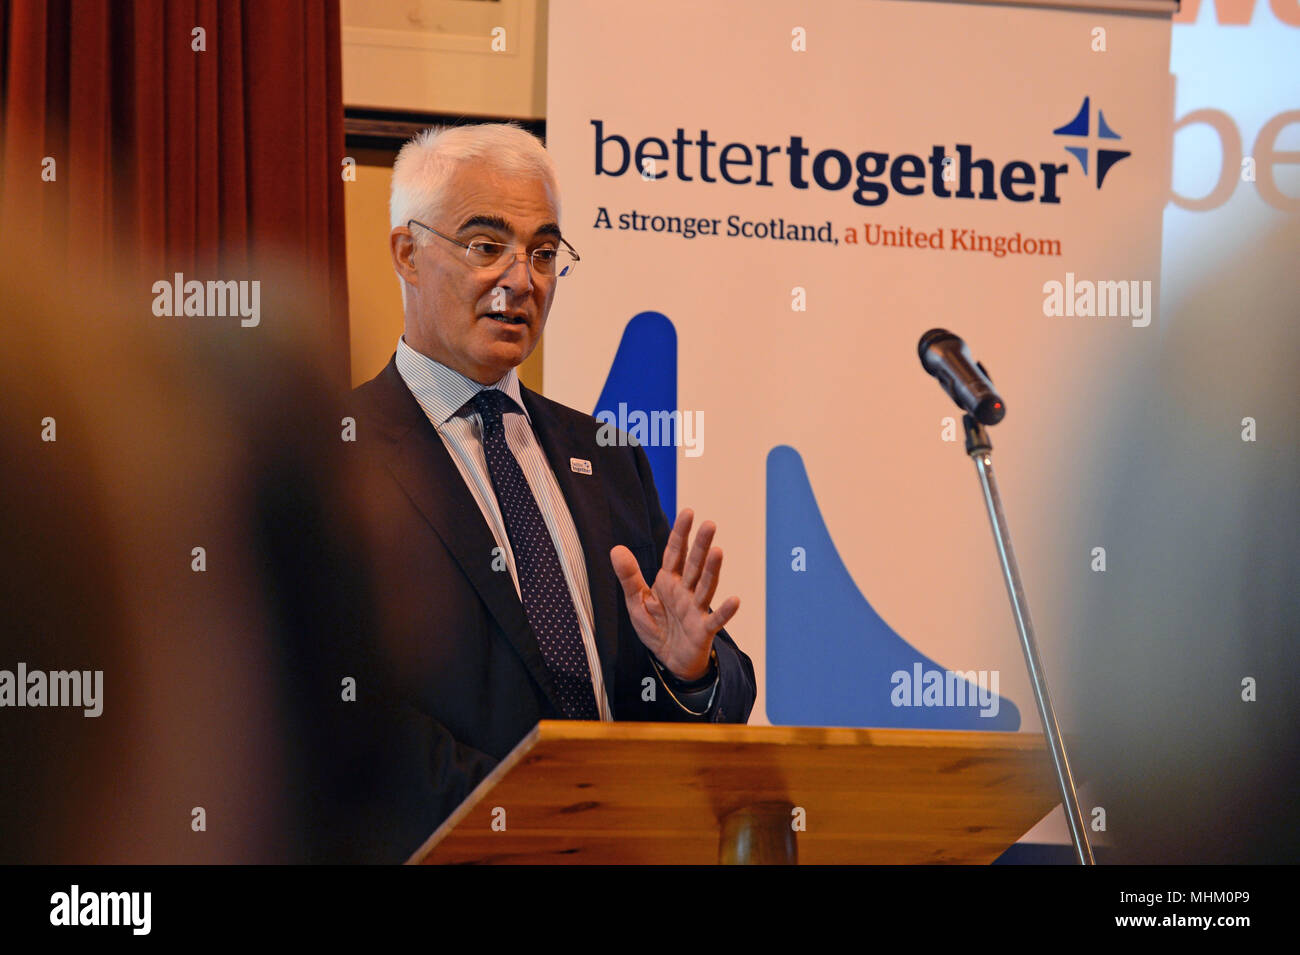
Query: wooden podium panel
(657,793)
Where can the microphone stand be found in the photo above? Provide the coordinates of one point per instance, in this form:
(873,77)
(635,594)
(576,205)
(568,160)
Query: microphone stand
(980,449)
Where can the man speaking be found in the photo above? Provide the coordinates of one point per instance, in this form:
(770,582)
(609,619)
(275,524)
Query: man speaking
(526,570)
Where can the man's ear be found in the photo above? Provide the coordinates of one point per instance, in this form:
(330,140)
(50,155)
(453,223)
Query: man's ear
(402,246)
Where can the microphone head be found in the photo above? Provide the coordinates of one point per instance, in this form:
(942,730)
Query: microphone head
(929,338)
(990,410)
(946,357)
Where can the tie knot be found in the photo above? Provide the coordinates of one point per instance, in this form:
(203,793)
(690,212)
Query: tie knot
(491,403)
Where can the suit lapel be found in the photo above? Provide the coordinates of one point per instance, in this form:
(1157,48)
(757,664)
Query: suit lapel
(422,465)
(585,495)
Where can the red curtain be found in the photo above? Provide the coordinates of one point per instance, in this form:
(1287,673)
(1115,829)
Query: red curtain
(221,162)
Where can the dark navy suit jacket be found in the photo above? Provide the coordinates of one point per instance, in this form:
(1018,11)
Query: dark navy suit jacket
(453,637)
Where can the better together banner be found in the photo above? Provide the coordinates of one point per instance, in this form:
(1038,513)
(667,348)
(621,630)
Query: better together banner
(772,204)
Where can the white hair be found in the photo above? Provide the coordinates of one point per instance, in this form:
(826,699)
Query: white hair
(426,163)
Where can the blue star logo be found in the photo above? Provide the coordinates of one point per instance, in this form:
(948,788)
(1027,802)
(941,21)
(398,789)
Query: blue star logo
(1081,126)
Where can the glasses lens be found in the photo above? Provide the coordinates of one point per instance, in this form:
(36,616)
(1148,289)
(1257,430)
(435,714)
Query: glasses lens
(484,254)
(555,262)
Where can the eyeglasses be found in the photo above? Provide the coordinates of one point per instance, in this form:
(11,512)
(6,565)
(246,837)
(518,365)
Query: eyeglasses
(484,254)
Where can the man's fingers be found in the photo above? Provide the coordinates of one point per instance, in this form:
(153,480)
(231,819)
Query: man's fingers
(719,618)
(708,582)
(695,560)
(628,571)
(675,550)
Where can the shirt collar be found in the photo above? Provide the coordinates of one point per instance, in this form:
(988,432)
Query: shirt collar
(441,391)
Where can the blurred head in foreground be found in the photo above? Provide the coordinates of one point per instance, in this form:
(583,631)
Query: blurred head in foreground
(177,518)
(1185,661)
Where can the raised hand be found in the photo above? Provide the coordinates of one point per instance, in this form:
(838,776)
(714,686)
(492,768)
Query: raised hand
(672,617)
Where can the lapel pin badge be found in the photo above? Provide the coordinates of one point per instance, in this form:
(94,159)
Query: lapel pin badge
(579,466)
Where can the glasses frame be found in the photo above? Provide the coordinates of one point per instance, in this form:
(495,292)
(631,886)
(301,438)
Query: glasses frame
(515,253)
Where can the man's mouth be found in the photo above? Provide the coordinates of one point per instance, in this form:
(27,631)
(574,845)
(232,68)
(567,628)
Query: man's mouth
(506,318)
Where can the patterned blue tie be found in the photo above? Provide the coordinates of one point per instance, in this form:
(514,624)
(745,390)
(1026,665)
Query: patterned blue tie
(548,604)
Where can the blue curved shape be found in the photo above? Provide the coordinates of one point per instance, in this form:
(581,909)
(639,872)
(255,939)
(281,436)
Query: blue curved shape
(1103,128)
(1106,158)
(1080,153)
(1077,126)
(643,378)
(831,659)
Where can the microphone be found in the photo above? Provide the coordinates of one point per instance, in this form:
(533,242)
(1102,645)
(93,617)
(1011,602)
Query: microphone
(946,356)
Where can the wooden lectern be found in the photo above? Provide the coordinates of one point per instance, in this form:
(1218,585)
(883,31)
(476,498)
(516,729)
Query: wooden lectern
(684,793)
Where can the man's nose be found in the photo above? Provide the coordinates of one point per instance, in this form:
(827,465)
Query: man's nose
(518,276)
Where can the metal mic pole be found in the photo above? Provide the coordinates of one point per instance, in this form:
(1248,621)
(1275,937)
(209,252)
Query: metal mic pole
(980,449)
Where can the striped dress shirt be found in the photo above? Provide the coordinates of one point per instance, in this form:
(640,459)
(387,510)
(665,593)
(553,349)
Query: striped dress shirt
(442,394)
